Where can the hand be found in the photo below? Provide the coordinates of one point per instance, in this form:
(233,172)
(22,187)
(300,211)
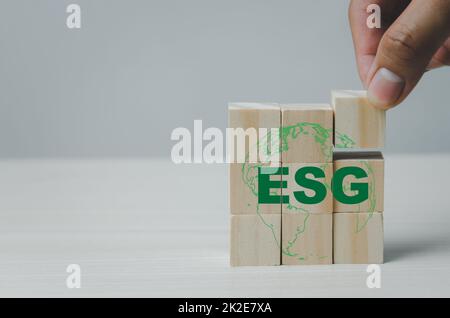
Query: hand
(413,38)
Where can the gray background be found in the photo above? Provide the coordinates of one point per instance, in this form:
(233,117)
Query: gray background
(138,69)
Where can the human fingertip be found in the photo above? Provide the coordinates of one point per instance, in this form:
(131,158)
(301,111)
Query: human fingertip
(385,89)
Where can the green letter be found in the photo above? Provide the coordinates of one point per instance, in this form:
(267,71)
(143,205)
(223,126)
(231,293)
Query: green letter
(318,187)
(265,184)
(361,188)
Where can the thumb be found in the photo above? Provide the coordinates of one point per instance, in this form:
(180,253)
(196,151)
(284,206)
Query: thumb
(405,51)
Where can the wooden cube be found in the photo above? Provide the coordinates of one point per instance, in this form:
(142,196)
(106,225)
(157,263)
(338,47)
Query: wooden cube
(243,190)
(255,115)
(357,124)
(307,238)
(324,206)
(307,133)
(373,164)
(255,240)
(358,238)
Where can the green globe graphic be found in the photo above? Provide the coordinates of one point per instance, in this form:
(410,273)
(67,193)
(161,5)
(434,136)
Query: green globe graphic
(289,136)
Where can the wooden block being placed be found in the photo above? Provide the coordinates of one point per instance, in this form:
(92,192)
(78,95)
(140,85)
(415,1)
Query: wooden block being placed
(373,164)
(357,124)
(255,115)
(307,238)
(255,240)
(243,190)
(308,187)
(358,238)
(307,133)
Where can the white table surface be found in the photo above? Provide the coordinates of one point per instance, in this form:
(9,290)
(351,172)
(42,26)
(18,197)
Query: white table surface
(151,228)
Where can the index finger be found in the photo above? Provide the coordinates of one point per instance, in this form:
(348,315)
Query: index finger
(365,39)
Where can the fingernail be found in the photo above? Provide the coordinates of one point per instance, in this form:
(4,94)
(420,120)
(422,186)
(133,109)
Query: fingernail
(385,88)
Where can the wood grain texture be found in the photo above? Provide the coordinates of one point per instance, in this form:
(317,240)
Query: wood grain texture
(307,239)
(325,206)
(255,239)
(358,238)
(243,190)
(356,120)
(308,133)
(373,164)
(118,219)
(254,115)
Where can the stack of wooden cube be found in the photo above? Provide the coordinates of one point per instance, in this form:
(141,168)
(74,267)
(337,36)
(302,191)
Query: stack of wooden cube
(318,233)
(358,229)
(255,229)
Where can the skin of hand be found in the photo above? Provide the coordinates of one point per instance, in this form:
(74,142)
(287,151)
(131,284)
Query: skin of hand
(414,37)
